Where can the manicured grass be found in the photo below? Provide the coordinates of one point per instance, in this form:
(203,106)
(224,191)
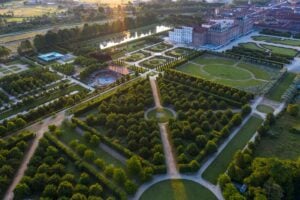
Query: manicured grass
(177,190)
(227,72)
(276,40)
(251,45)
(280,142)
(221,163)
(282,85)
(230,72)
(69,134)
(161,115)
(281,50)
(265,108)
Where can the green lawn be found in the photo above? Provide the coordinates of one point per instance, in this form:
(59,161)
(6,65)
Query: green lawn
(251,45)
(281,50)
(69,134)
(281,143)
(221,163)
(276,40)
(283,84)
(230,72)
(265,108)
(273,49)
(177,190)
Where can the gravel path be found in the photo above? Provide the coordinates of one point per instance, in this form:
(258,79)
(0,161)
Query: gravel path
(39,129)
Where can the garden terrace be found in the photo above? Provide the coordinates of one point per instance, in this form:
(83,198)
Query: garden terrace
(136,56)
(26,81)
(12,150)
(234,73)
(159,47)
(202,122)
(52,174)
(178,52)
(120,117)
(155,62)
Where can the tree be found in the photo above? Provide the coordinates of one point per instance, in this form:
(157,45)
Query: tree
(130,187)
(84,179)
(246,109)
(95,190)
(192,149)
(4,52)
(211,147)
(50,191)
(223,180)
(273,190)
(119,176)
(89,155)
(25,47)
(134,165)
(293,109)
(52,128)
(65,188)
(95,140)
(78,196)
(21,191)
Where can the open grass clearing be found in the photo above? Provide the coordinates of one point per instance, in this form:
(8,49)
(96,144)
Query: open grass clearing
(283,84)
(221,163)
(177,190)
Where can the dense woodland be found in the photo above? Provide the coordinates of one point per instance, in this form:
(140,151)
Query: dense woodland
(203,120)
(90,31)
(28,80)
(11,153)
(121,117)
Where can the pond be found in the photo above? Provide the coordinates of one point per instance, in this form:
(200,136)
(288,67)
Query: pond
(133,35)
